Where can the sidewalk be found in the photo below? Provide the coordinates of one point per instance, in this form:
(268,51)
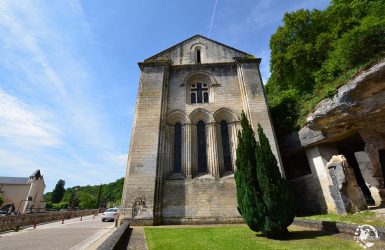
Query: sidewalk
(137,239)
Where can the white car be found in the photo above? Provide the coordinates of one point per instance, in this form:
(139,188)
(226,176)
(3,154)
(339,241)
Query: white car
(110,214)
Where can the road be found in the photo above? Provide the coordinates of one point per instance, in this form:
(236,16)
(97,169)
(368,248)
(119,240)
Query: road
(73,234)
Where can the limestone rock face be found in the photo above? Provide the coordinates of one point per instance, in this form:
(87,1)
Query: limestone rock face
(358,102)
(352,123)
(344,188)
(367,171)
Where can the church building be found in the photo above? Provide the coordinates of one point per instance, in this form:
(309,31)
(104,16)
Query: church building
(182,155)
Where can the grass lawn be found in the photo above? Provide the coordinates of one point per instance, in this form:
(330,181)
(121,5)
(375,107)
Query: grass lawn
(241,237)
(365,217)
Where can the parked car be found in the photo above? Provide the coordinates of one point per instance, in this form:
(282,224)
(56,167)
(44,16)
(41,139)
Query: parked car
(110,214)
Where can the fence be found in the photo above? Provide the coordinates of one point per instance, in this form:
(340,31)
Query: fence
(14,222)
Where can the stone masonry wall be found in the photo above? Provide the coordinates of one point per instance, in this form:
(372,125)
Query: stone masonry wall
(200,200)
(226,93)
(255,104)
(306,195)
(211,52)
(142,161)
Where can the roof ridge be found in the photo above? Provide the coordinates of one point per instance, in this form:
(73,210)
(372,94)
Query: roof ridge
(190,38)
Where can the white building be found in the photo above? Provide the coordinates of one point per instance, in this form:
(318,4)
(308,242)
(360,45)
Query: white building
(26,193)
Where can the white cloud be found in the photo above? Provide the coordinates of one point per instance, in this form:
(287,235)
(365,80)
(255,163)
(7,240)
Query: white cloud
(26,125)
(63,110)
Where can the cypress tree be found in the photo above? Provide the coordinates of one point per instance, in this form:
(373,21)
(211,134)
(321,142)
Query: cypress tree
(249,205)
(264,200)
(276,196)
(58,192)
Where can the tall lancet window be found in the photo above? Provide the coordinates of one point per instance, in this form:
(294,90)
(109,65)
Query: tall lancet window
(198,56)
(199,93)
(177,148)
(226,146)
(202,155)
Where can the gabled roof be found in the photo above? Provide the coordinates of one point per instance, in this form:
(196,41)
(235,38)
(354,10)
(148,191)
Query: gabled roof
(191,38)
(14,180)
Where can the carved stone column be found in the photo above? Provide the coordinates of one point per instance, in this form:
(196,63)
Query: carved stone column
(234,143)
(187,150)
(194,150)
(170,150)
(220,152)
(213,150)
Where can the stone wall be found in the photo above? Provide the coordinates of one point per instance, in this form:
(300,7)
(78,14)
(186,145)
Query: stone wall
(143,156)
(306,195)
(211,52)
(200,200)
(15,222)
(225,90)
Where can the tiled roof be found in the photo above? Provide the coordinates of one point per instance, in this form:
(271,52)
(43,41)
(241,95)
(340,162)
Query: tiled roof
(13,180)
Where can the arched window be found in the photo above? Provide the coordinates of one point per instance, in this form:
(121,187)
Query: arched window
(199,93)
(177,148)
(202,156)
(226,146)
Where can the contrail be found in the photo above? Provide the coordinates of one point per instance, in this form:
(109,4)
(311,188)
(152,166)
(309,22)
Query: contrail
(212,17)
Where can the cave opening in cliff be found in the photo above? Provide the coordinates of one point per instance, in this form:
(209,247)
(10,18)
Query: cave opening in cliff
(296,165)
(348,147)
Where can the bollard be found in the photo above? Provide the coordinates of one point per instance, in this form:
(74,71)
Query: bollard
(94,217)
(116,221)
(62,221)
(81,217)
(34,224)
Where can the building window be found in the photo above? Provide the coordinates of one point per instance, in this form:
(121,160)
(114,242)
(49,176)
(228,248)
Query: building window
(202,155)
(226,146)
(198,56)
(193,97)
(177,147)
(199,93)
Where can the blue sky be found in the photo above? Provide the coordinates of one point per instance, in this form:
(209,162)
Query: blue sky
(69,74)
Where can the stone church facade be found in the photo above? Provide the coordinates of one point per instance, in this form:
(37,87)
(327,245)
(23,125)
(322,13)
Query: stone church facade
(182,153)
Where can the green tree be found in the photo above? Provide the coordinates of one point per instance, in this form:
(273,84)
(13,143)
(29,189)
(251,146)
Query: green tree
(60,205)
(87,201)
(99,199)
(264,200)
(1,200)
(250,204)
(316,51)
(73,199)
(276,197)
(110,193)
(58,192)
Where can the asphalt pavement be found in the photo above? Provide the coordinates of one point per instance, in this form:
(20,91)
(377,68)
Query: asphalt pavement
(73,234)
